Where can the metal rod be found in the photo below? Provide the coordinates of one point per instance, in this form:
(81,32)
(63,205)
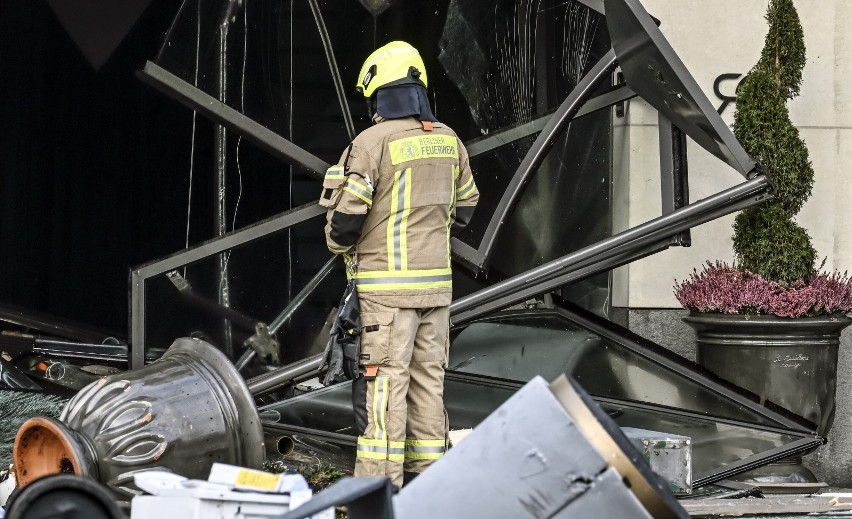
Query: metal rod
(220,152)
(233,239)
(542,145)
(291,308)
(752,191)
(53,325)
(303,295)
(757,460)
(274,379)
(588,268)
(479,146)
(220,113)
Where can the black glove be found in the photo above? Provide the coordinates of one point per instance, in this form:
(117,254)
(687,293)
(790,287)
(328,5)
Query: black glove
(332,362)
(344,344)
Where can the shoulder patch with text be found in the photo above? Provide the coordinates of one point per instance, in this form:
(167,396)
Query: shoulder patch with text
(423,147)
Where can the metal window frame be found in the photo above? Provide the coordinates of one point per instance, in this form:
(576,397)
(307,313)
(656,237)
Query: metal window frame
(605,254)
(222,114)
(804,443)
(477,258)
(140,275)
(640,241)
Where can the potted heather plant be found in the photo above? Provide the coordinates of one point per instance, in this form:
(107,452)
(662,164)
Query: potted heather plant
(771,322)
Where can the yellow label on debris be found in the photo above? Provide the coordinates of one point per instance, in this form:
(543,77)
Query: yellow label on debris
(423,147)
(256,479)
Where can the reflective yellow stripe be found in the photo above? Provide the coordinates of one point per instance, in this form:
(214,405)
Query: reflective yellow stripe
(423,147)
(334,172)
(398,220)
(371,455)
(403,226)
(442,443)
(380,274)
(423,455)
(372,442)
(466,190)
(450,214)
(372,449)
(348,189)
(373,281)
(380,449)
(396,451)
(380,402)
(425,449)
(382,386)
(404,286)
(394,211)
(338,250)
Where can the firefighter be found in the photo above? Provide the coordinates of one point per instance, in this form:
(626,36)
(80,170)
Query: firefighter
(399,190)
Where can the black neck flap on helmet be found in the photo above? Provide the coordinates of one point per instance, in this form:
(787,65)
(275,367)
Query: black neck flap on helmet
(394,102)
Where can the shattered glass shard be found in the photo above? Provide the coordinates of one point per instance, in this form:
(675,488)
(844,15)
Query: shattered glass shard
(489,51)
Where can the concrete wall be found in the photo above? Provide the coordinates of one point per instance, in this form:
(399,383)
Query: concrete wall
(831,462)
(722,37)
(719,37)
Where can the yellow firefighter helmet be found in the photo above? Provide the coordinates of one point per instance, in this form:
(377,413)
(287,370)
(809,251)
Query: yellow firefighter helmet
(397,63)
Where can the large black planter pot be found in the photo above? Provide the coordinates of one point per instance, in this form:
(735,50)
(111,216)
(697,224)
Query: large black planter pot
(789,362)
(181,413)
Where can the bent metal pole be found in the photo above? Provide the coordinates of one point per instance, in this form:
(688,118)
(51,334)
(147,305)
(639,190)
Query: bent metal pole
(300,370)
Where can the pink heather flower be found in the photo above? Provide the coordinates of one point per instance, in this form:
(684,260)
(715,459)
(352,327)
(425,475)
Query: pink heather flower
(721,288)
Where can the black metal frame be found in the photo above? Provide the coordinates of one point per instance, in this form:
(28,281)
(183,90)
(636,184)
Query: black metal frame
(220,113)
(475,147)
(800,446)
(605,254)
(674,183)
(140,275)
(476,259)
(640,241)
(653,236)
(661,356)
(653,70)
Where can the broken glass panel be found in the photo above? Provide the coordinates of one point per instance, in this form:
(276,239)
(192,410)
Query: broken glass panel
(469,399)
(542,342)
(248,55)
(514,62)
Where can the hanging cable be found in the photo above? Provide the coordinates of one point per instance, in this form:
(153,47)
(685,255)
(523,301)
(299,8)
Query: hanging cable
(194,116)
(240,137)
(335,71)
(243,111)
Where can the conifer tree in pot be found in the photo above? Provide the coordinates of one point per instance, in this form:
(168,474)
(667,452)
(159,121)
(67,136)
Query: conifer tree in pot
(771,322)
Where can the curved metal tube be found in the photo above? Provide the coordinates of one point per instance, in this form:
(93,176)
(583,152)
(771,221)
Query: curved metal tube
(542,145)
(274,379)
(277,445)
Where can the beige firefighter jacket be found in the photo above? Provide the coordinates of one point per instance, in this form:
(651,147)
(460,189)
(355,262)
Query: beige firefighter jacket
(392,200)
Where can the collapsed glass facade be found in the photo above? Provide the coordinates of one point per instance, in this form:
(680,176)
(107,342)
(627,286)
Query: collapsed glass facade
(289,66)
(282,72)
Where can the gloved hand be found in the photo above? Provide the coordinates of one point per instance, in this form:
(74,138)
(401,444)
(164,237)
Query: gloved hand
(341,357)
(344,344)
(332,362)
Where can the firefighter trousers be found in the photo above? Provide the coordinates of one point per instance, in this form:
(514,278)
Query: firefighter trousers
(399,399)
